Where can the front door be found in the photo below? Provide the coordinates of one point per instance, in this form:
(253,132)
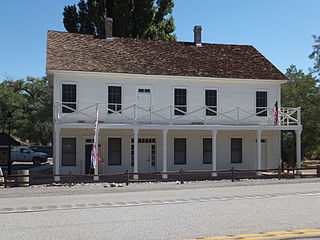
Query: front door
(88,169)
(147,155)
(144,157)
(144,105)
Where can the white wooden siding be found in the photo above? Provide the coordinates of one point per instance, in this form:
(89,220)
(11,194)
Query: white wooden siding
(230,94)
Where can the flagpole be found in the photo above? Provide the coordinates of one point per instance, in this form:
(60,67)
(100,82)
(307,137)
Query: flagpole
(96,169)
(96,142)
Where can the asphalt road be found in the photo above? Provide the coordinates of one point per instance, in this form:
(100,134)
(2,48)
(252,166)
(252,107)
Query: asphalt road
(203,212)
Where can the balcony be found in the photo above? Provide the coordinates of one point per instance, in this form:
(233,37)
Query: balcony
(173,115)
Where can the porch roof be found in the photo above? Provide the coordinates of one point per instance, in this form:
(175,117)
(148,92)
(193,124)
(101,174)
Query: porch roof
(176,127)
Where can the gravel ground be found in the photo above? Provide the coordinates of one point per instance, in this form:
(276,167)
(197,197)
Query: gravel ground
(96,188)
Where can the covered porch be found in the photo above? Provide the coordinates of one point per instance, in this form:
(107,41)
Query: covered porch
(147,148)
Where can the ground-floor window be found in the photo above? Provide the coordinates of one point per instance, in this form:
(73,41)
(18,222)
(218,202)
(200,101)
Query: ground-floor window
(132,155)
(207,150)
(114,151)
(180,151)
(236,150)
(69,151)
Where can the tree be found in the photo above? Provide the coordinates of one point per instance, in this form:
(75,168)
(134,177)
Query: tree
(302,91)
(131,18)
(30,103)
(71,18)
(10,101)
(315,55)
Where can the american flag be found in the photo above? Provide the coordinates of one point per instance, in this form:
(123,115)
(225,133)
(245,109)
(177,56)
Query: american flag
(94,152)
(275,111)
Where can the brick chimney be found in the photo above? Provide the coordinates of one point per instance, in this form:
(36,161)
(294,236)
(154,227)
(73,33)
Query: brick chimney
(197,35)
(108,26)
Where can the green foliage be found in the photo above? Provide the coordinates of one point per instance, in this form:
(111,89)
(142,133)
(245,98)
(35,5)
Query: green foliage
(30,104)
(71,18)
(315,55)
(10,98)
(302,91)
(131,18)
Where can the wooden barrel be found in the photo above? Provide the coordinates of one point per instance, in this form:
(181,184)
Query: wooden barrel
(23,178)
(1,176)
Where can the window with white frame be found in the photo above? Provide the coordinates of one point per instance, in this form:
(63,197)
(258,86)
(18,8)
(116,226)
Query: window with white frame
(114,151)
(180,101)
(207,150)
(69,98)
(180,151)
(69,150)
(114,99)
(261,103)
(211,102)
(236,150)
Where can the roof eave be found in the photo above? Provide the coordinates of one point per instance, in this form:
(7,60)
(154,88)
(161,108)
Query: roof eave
(52,72)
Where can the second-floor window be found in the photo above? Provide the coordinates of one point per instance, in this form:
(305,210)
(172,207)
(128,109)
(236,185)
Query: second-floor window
(180,101)
(114,98)
(211,102)
(69,98)
(261,103)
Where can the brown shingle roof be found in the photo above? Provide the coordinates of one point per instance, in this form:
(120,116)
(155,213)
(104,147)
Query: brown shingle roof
(80,52)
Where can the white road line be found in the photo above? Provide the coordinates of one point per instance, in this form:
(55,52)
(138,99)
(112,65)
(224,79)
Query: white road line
(10,210)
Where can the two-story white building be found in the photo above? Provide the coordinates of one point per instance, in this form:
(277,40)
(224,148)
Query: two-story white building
(165,105)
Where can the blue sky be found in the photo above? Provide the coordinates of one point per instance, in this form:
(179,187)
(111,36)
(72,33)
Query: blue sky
(280,29)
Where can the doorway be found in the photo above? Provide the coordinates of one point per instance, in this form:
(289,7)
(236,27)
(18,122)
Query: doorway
(88,169)
(147,156)
(144,101)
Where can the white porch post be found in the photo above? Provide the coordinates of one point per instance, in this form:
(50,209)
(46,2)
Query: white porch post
(164,152)
(96,170)
(298,148)
(56,153)
(214,152)
(280,147)
(136,149)
(259,132)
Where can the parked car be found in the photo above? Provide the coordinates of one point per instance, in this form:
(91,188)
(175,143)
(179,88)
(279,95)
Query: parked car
(46,149)
(25,154)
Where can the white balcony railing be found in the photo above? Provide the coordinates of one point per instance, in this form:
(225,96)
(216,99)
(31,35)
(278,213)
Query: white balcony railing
(172,115)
